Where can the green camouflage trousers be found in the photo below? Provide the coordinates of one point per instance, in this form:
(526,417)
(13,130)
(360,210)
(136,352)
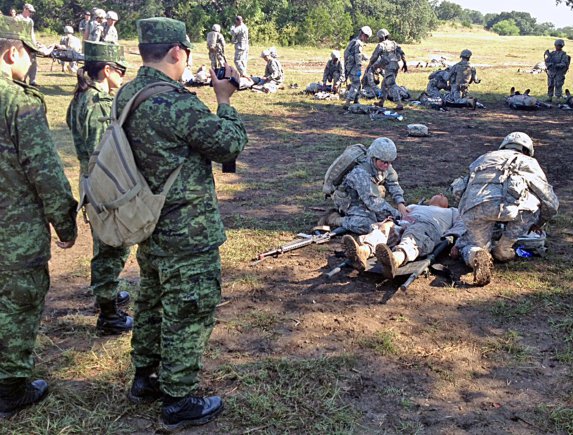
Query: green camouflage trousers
(174,316)
(22,295)
(106,265)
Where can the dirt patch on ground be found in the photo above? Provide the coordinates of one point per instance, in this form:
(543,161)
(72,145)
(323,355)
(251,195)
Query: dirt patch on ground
(439,358)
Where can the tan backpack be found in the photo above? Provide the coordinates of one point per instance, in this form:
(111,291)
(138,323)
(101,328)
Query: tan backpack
(121,207)
(344,163)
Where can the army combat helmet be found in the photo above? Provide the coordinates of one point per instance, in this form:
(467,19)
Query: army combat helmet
(366,30)
(466,54)
(559,43)
(518,141)
(382,33)
(382,149)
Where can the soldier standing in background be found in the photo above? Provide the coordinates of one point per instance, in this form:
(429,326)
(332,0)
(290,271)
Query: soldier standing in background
(557,62)
(34,193)
(240,37)
(109,30)
(334,71)
(180,263)
(84,23)
(102,73)
(386,56)
(26,16)
(353,59)
(71,43)
(94,31)
(216,47)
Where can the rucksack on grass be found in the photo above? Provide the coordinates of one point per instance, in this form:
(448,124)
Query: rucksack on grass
(121,207)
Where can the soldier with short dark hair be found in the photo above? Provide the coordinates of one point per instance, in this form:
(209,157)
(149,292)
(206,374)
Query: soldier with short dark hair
(180,263)
(34,194)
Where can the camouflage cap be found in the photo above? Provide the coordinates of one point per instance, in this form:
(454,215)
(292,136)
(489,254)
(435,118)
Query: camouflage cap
(18,30)
(104,52)
(160,30)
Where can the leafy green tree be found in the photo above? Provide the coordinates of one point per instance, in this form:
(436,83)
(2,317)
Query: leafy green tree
(448,11)
(523,20)
(506,28)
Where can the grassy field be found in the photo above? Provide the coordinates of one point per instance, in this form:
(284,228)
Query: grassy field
(295,353)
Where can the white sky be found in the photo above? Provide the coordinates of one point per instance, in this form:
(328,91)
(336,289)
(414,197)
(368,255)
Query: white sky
(542,10)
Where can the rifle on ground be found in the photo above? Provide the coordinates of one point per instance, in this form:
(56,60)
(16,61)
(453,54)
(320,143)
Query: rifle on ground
(423,266)
(318,237)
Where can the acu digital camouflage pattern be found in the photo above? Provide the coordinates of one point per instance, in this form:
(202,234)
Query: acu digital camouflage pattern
(159,30)
(11,28)
(84,118)
(462,75)
(333,72)
(353,59)
(359,200)
(104,52)
(557,66)
(179,263)
(174,316)
(274,71)
(240,37)
(386,56)
(216,47)
(504,186)
(34,193)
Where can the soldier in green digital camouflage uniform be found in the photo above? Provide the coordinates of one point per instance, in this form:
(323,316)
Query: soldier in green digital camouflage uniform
(34,193)
(87,118)
(180,263)
(557,62)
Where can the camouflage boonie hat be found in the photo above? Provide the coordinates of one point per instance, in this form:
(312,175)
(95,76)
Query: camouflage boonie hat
(18,30)
(104,52)
(161,30)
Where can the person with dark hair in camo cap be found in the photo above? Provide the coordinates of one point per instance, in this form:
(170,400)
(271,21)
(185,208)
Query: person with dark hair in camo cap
(180,263)
(102,74)
(34,194)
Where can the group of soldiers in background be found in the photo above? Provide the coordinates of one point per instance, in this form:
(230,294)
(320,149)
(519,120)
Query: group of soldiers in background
(95,29)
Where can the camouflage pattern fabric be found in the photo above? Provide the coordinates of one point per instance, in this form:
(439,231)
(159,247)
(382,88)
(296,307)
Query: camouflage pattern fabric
(110,34)
(353,59)
(34,191)
(84,120)
(333,72)
(216,47)
(438,81)
(504,186)
(180,269)
(104,52)
(22,295)
(240,38)
(160,30)
(386,56)
(82,26)
(557,66)
(480,223)
(274,72)
(462,74)
(172,326)
(359,200)
(95,31)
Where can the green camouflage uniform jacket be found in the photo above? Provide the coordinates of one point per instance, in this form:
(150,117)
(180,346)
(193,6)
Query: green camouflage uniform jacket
(175,128)
(34,192)
(84,118)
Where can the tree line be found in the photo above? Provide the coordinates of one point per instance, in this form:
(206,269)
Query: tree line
(284,22)
(504,23)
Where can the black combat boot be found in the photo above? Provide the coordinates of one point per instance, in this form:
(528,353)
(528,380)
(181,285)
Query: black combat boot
(122,298)
(112,321)
(180,412)
(145,386)
(21,394)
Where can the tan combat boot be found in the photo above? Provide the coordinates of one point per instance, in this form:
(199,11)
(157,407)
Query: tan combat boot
(482,264)
(385,257)
(356,253)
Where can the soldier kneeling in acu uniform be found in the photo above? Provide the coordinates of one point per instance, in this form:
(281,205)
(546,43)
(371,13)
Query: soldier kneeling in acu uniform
(506,185)
(462,75)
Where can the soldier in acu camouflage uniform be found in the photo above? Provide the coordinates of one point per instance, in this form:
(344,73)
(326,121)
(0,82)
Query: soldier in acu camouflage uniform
(88,118)
(34,193)
(506,185)
(216,47)
(438,81)
(557,63)
(109,29)
(180,264)
(94,31)
(334,71)
(240,37)
(462,75)
(353,58)
(274,73)
(386,56)
(358,197)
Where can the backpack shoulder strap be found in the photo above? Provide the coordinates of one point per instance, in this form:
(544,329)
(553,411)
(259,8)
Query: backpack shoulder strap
(142,95)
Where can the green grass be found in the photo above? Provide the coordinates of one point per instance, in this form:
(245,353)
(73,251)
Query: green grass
(382,343)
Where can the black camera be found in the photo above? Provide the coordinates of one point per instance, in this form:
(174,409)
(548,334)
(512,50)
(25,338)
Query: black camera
(220,72)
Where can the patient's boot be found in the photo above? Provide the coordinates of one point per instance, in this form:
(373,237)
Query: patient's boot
(356,253)
(481,262)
